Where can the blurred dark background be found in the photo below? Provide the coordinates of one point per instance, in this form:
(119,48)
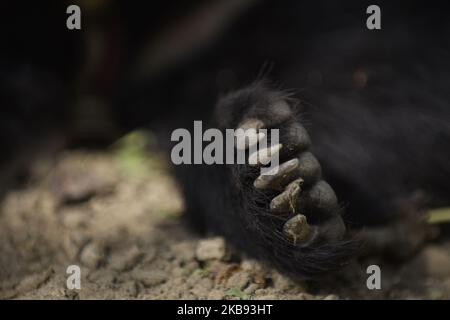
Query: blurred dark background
(158,63)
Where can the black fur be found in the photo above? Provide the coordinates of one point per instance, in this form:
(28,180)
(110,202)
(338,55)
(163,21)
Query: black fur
(376,106)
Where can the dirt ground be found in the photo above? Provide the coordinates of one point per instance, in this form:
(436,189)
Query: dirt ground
(117,214)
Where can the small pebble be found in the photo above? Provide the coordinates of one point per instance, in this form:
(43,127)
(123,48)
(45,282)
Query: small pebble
(92,255)
(149,278)
(211,249)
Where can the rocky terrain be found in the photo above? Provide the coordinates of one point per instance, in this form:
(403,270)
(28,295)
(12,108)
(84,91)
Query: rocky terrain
(117,214)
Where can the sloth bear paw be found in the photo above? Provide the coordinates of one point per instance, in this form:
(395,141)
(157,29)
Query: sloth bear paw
(292,213)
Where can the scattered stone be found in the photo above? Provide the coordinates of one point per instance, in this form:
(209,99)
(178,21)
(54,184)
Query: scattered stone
(183,251)
(235,294)
(75,182)
(125,261)
(194,278)
(260,292)
(192,266)
(202,288)
(267,297)
(307,296)
(179,272)
(149,258)
(149,278)
(224,271)
(251,266)
(130,288)
(71,294)
(29,283)
(216,295)
(74,219)
(251,288)
(92,255)
(239,280)
(166,262)
(281,282)
(102,276)
(211,249)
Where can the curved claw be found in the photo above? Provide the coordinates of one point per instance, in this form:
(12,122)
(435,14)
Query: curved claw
(299,231)
(282,175)
(287,201)
(263,156)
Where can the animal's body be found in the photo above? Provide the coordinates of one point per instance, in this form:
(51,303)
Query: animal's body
(366,113)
